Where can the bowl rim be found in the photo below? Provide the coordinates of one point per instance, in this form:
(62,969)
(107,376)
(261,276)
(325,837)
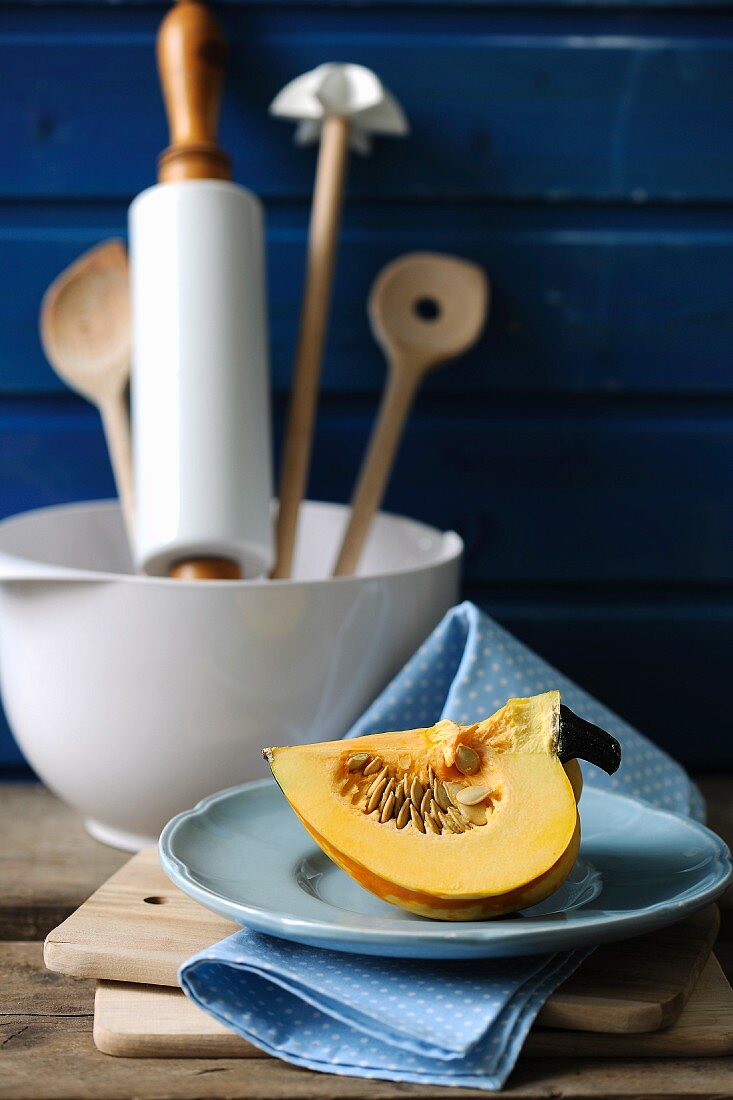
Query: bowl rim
(16,569)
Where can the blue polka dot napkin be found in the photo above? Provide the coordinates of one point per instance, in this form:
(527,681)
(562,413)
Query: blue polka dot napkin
(447,1023)
(470,666)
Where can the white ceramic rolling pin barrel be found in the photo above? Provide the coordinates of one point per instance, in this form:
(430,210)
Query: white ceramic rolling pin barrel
(200,369)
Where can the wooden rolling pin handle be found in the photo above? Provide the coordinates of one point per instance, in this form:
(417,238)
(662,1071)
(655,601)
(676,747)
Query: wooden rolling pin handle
(191,57)
(206,569)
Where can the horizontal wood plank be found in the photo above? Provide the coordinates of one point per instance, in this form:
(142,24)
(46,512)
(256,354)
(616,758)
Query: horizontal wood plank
(658,661)
(46,1029)
(49,862)
(618,495)
(572,105)
(584,301)
(46,1019)
(584,494)
(48,1054)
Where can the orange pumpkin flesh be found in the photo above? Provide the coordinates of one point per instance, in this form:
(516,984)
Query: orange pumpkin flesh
(520,841)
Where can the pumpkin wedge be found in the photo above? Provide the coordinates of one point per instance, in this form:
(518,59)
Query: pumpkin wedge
(452,822)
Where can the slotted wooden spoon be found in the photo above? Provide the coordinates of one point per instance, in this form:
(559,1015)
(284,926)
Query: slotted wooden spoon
(425,309)
(85,332)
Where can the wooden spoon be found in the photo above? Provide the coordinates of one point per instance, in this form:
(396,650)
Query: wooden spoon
(424,309)
(85,332)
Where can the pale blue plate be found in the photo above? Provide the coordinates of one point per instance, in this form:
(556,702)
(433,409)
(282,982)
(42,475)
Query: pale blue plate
(244,854)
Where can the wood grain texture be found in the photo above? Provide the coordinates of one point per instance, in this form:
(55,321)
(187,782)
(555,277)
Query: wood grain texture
(543,106)
(155,1021)
(152,937)
(415,346)
(85,329)
(46,1019)
(320,264)
(585,299)
(138,927)
(704,1027)
(49,863)
(135,1021)
(48,1054)
(638,985)
(191,52)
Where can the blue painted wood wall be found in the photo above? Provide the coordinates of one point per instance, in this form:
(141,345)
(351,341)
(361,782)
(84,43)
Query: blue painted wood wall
(584,153)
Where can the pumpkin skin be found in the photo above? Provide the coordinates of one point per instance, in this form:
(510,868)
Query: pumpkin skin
(520,842)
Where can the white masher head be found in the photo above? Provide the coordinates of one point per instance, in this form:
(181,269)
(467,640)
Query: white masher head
(350,91)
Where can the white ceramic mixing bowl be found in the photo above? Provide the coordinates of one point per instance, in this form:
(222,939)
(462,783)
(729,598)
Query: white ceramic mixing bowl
(133,697)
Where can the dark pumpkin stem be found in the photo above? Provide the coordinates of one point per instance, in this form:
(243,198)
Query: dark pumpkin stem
(580,739)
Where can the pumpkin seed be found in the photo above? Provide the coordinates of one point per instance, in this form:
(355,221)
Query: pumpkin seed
(436,814)
(448,824)
(440,794)
(417,821)
(400,793)
(404,815)
(416,792)
(387,808)
(375,765)
(388,790)
(458,824)
(377,779)
(467,760)
(356,762)
(376,795)
(430,825)
(448,756)
(427,798)
(450,790)
(471,796)
(431,774)
(476,815)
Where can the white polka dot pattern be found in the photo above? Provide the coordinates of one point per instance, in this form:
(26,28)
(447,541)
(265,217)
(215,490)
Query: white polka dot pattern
(448,1023)
(470,666)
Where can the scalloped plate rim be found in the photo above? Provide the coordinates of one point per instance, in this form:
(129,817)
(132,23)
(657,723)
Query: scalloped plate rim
(438,939)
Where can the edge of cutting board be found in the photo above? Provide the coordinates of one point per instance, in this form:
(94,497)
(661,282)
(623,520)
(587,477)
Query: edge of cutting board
(139,1021)
(609,967)
(138,927)
(703,1029)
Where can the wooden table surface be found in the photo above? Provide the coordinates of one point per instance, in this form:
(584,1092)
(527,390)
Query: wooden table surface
(48,865)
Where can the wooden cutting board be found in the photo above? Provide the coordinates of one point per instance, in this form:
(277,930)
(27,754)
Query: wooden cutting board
(138,927)
(138,1021)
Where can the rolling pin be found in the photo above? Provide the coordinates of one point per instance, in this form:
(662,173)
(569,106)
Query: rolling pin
(200,396)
